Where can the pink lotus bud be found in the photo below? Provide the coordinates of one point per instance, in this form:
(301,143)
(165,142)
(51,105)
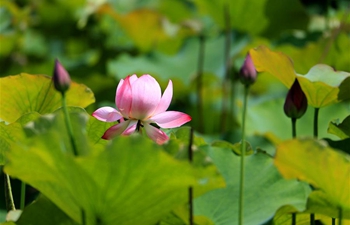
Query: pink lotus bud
(248,72)
(296,102)
(60,77)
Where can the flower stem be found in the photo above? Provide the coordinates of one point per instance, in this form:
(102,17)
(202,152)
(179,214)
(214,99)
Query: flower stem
(294,129)
(23,195)
(243,150)
(190,189)
(316,122)
(226,85)
(294,218)
(10,204)
(83,217)
(316,112)
(69,124)
(340,216)
(294,135)
(200,83)
(312,219)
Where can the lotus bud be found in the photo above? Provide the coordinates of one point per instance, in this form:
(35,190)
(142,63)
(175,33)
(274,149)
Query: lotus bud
(296,102)
(61,79)
(248,72)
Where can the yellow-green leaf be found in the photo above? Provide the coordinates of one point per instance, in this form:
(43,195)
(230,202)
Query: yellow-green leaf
(25,93)
(321,85)
(316,163)
(143,26)
(275,63)
(342,130)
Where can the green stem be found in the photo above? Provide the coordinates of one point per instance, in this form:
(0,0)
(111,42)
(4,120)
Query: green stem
(316,122)
(190,189)
(226,84)
(340,216)
(243,150)
(23,195)
(69,124)
(312,219)
(294,135)
(83,217)
(333,221)
(294,218)
(294,127)
(316,112)
(200,83)
(10,204)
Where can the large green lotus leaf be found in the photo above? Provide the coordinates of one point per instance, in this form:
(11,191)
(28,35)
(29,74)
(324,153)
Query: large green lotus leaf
(42,212)
(13,133)
(265,190)
(267,117)
(321,85)
(25,93)
(276,63)
(35,124)
(268,17)
(342,129)
(316,163)
(112,186)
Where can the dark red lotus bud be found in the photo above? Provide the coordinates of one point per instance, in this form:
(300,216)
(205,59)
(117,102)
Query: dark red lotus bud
(248,72)
(296,102)
(60,77)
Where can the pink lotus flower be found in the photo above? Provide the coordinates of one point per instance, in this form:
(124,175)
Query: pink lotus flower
(140,104)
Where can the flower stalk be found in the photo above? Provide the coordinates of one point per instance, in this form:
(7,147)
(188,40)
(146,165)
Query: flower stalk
(10,203)
(243,152)
(190,189)
(247,77)
(316,112)
(69,125)
(61,81)
(199,86)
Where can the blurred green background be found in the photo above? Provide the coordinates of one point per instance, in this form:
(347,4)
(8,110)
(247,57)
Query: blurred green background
(99,42)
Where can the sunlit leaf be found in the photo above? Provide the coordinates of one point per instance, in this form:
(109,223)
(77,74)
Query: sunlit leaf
(276,63)
(112,186)
(321,85)
(25,93)
(262,183)
(142,26)
(342,129)
(306,159)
